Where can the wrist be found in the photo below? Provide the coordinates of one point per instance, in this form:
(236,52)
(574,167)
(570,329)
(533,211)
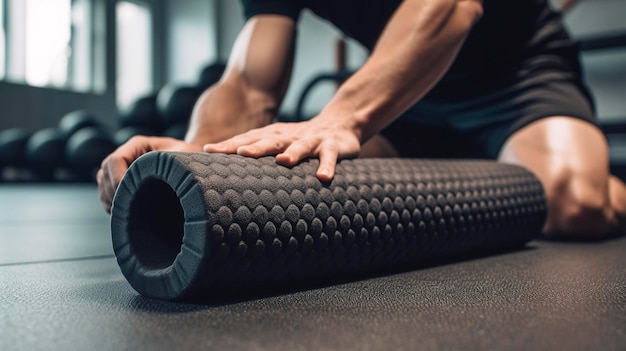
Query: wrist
(354,111)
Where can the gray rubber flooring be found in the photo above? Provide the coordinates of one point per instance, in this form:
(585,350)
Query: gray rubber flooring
(61,289)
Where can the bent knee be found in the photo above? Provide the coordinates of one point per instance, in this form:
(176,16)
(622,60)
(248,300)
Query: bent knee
(578,221)
(578,209)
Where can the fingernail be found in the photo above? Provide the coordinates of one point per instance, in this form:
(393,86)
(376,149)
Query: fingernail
(325,171)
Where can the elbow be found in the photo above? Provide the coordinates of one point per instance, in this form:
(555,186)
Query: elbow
(469,12)
(462,16)
(435,17)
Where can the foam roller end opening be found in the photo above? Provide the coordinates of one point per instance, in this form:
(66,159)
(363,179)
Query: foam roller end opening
(155,225)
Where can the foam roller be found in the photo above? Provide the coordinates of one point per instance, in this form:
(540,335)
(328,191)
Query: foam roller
(195,226)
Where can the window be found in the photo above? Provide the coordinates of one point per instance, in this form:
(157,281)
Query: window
(66,44)
(50,43)
(2,41)
(134,51)
(47,39)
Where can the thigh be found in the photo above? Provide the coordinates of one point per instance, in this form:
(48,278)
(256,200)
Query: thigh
(541,88)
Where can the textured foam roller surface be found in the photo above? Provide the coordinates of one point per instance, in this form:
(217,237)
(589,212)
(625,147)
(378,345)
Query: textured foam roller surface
(198,226)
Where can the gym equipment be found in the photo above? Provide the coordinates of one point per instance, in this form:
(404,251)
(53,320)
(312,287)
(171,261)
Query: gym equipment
(211,74)
(45,152)
(77,120)
(142,113)
(190,226)
(336,77)
(601,42)
(78,145)
(12,147)
(85,151)
(124,134)
(175,103)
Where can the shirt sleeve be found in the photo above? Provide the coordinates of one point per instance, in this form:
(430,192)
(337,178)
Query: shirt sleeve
(289,8)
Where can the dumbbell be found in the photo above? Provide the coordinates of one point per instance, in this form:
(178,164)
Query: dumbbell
(211,74)
(124,134)
(45,153)
(12,150)
(77,120)
(175,104)
(142,113)
(86,149)
(78,145)
(88,143)
(177,131)
(45,150)
(140,118)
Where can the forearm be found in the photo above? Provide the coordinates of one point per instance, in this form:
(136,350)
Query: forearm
(415,50)
(253,86)
(227,109)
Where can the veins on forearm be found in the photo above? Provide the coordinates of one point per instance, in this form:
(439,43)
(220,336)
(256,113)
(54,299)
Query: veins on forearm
(415,50)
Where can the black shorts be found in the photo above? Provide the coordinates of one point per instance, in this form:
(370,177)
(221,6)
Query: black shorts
(473,119)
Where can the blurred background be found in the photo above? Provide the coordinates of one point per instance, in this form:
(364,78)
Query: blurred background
(79,77)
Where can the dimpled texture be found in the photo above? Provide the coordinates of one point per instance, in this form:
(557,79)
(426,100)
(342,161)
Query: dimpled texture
(261,225)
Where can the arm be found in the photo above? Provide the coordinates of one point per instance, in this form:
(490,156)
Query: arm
(414,51)
(246,97)
(253,85)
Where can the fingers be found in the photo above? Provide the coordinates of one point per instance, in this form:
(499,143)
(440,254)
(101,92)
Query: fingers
(292,143)
(329,153)
(230,146)
(295,153)
(255,143)
(114,167)
(103,191)
(109,177)
(262,148)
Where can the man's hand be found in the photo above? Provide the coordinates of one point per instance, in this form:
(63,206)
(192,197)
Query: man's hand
(415,50)
(325,138)
(115,165)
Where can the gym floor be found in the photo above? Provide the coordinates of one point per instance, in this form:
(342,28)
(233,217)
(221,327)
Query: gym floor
(61,289)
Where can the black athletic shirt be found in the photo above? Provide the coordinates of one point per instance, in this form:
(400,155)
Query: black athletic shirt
(509,32)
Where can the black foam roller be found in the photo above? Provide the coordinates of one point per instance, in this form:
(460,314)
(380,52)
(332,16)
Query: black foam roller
(190,226)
